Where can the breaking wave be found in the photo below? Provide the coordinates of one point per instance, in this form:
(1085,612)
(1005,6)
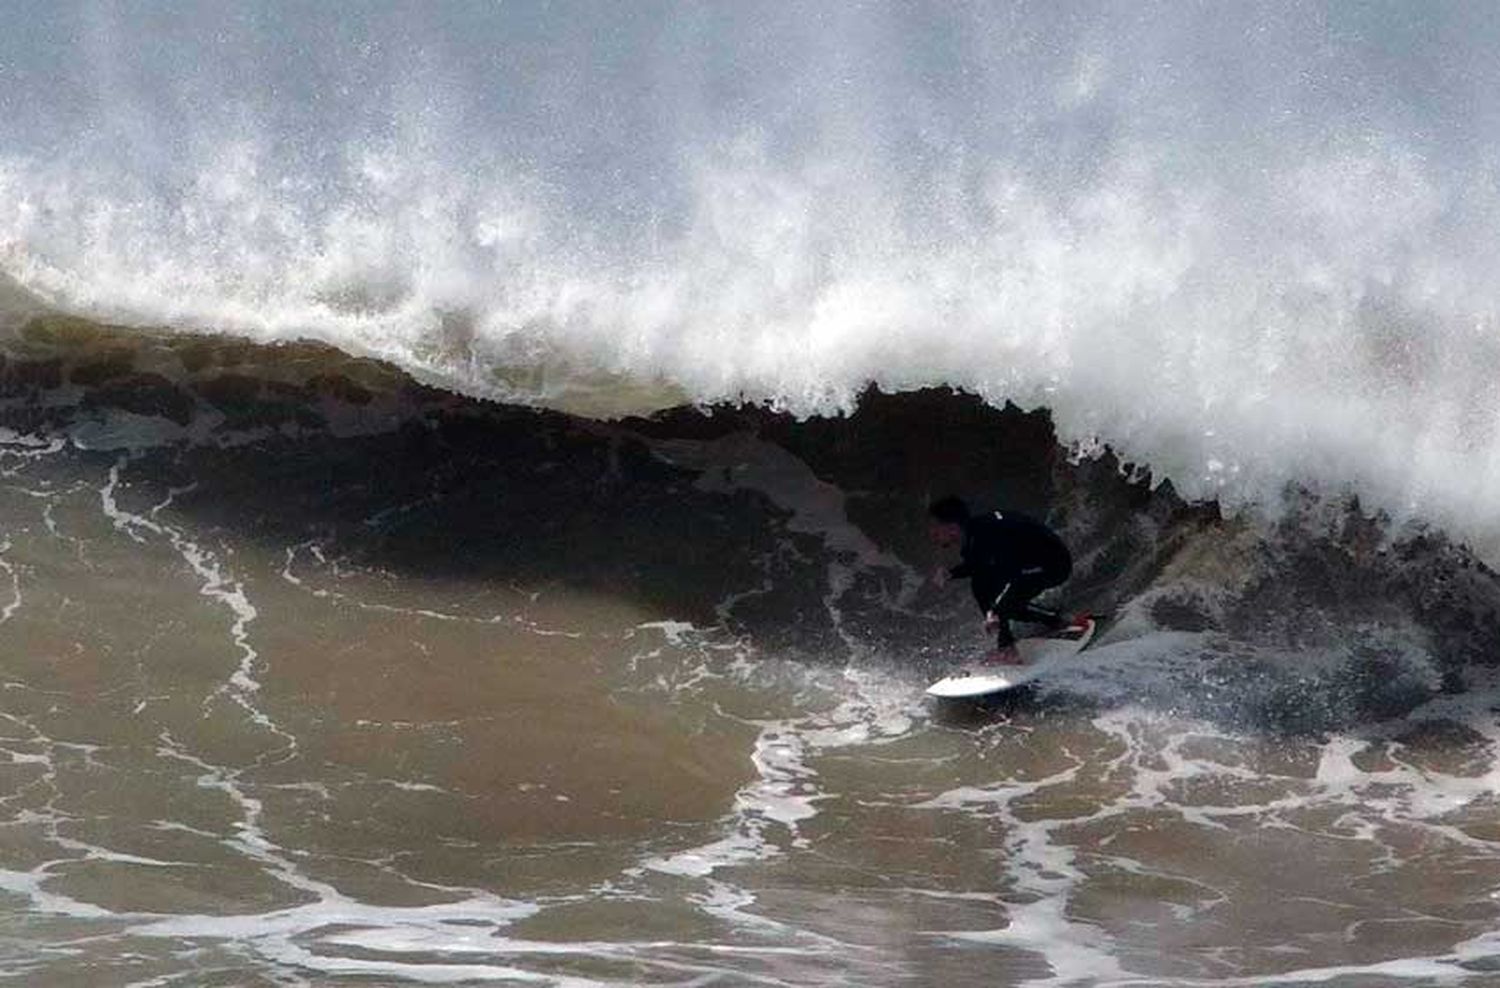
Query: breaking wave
(1247,248)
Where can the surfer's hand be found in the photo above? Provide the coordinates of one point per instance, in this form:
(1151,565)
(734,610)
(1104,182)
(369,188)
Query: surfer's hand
(990,621)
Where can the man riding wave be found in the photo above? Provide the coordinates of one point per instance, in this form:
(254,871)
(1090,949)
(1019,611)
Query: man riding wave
(1008,559)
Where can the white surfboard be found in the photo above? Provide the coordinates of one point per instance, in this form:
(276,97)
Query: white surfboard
(983,679)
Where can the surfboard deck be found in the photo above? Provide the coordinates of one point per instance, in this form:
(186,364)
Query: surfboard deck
(986,679)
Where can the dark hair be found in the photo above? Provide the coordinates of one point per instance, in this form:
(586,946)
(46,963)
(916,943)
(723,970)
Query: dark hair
(949,510)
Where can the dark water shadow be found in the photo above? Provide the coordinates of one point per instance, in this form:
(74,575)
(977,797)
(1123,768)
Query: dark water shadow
(387,474)
(457,490)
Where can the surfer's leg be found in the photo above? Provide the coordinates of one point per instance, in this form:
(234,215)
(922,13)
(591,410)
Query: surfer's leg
(1028,585)
(1003,604)
(1019,606)
(1042,615)
(1005,637)
(1005,652)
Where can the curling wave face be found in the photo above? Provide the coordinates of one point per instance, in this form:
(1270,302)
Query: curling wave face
(318,665)
(1248,249)
(856,485)
(314,671)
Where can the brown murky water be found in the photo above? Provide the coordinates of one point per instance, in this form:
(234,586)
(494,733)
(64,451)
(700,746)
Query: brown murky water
(313,673)
(530,701)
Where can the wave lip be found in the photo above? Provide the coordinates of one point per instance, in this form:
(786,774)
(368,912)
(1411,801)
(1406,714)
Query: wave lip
(1279,280)
(1324,570)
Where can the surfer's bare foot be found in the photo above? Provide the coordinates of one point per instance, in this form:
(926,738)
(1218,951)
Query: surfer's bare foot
(1007,656)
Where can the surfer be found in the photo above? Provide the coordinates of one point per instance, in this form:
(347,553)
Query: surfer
(1008,558)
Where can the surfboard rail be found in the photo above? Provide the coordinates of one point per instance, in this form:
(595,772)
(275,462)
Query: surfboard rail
(979,679)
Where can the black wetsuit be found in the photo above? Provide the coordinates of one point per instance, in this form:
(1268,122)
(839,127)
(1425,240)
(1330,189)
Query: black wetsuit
(1009,559)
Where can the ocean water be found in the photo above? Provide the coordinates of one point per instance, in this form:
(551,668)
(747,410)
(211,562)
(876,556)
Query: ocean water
(463,471)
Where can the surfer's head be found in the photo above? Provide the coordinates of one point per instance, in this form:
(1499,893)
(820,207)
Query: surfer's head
(949,515)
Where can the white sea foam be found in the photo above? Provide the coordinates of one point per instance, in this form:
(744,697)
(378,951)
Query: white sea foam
(1246,248)
(1161,757)
(217,586)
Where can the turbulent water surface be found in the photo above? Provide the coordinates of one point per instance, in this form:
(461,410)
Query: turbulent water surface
(462,474)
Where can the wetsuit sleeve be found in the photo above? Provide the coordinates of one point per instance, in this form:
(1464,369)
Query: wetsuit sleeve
(978,552)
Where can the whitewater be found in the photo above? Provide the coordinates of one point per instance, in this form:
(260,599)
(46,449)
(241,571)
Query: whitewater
(463,472)
(1246,246)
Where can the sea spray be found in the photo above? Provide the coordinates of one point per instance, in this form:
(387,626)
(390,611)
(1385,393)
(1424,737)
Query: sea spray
(1245,247)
